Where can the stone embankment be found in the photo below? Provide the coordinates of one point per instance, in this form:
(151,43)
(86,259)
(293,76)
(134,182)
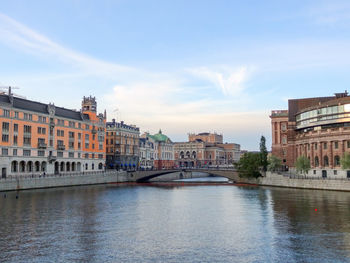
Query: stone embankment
(274,179)
(29,182)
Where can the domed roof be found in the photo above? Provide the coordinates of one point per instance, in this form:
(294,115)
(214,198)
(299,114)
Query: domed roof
(160,137)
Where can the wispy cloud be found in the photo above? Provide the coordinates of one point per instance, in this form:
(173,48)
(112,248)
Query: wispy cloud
(21,37)
(229,81)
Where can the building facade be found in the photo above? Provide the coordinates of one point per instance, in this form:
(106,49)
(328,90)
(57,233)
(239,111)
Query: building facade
(163,151)
(318,128)
(38,138)
(147,152)
(206,149)
(122,145)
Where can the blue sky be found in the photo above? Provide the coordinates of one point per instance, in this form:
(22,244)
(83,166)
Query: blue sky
(183,66)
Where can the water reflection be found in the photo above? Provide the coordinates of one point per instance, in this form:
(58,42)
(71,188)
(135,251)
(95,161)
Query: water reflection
(219,223)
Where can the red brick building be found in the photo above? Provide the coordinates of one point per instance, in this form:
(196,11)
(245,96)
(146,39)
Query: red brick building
(318,128)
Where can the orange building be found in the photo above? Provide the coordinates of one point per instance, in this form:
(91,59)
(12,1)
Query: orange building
(39,138)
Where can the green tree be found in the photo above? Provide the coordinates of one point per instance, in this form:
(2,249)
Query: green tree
(274,163)
(345,161)
(263,153)
(249,165)
(302,164)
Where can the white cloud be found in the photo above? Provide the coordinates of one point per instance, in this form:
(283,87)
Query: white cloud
(230,81)
(21,37)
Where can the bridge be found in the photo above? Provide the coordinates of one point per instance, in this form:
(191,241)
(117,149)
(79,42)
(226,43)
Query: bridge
(144,176)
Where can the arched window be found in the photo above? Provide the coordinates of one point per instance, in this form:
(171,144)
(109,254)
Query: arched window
(93,166)
(325,160)
(100,166)
(336,160)
(317,162)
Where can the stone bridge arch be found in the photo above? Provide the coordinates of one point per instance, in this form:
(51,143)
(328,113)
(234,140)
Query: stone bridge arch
(144,176)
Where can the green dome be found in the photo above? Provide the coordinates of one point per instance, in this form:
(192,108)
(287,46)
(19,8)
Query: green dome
(160,137)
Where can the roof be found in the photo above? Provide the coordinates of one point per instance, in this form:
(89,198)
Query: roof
(160,137)
(39,107)
(334,102)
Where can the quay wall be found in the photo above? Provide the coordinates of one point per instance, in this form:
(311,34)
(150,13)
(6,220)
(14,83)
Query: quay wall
(22,183)
(274,179)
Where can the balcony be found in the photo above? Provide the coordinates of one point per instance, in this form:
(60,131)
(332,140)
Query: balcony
(61,147)
(52,124)
(52,158)
(42,145)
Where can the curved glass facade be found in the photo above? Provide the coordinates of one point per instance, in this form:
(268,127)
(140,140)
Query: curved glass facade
(325,115)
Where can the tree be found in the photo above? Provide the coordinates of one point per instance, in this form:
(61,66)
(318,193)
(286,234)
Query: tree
(263,153)
(345,161)
(249,164)
(274,163)
(302,164)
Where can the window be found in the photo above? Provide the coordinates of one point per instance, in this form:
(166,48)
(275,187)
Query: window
(60,154)
(348,144)
(335,145)
(60,133)
(41,153)
(87,137)
(315,146)
(336,160)
(100,156)
(16,115)
(325,160)
(71,154)
(71,135)
(41,130)
(93,166)
(86,156)
(71,145)
(30,117)
(317,163)
(6,113)
(14,152)
(27,141)
(4,152)
(71,124)
(59,142)
(5,138)
(79,155)
(15,139)
(79,136)
(5,127)
(25,116)
(15,127)
(27,129)
(87,127)
(79,145)
(79,125)
(335,172)
(93,156)
(26,152)
(314,171)
(325,145)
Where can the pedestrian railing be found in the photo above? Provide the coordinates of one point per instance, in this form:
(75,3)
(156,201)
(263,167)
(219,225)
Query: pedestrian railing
(43,176)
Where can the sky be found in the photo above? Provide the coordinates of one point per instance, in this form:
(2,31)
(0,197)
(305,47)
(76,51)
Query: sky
(180,66)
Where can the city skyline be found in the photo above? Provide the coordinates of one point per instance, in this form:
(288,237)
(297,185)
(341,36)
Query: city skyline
(182,67)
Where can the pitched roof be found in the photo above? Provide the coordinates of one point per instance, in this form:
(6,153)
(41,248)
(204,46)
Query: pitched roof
(39,107)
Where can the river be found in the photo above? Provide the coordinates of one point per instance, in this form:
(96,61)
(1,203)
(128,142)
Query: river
(185,223)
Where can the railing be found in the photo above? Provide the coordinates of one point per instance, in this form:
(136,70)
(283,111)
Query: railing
(295,176)
(44,176)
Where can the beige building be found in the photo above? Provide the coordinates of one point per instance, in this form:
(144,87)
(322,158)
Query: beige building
(122,145)
(206,149)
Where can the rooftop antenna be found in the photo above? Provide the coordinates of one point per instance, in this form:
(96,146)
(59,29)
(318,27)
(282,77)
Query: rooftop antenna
(9,91)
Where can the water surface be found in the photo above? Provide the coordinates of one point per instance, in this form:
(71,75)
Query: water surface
(221,223)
